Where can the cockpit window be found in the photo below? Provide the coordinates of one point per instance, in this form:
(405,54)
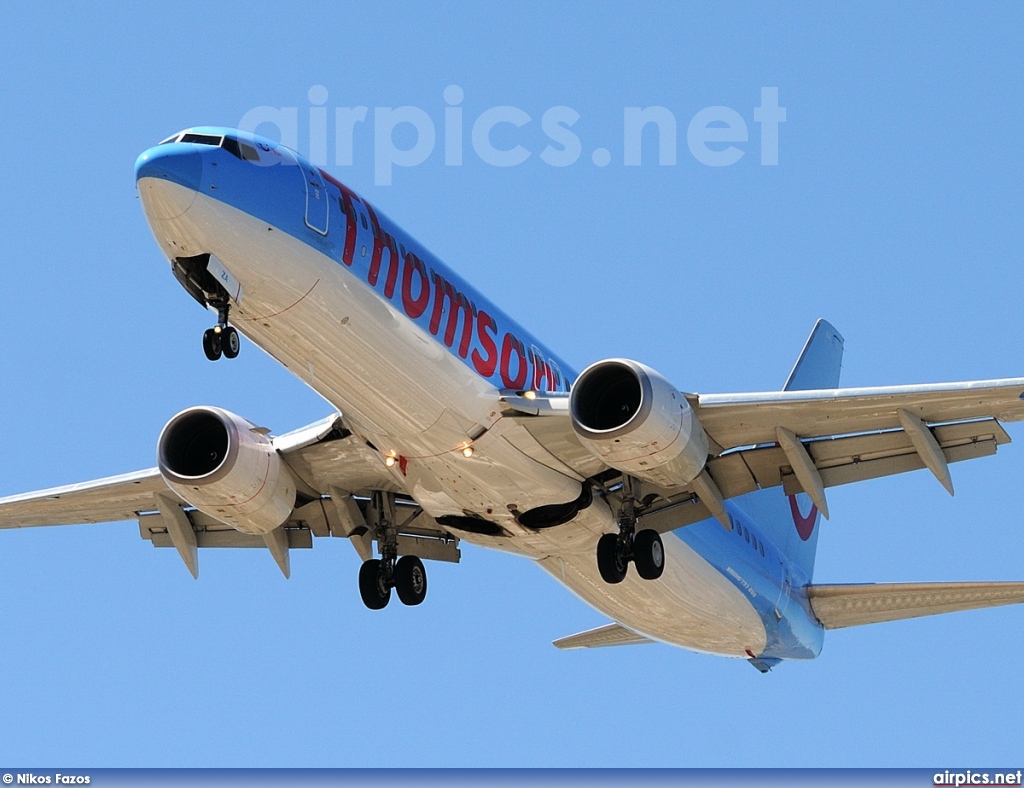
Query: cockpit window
(172,138)
(240,149)
(201,139)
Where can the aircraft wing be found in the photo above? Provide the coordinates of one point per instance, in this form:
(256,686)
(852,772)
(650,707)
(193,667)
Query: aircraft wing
(331,468)
(733,420)
(320,455)
(101,501)
(804,441)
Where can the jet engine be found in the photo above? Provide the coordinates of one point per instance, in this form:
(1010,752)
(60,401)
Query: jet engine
(637,422)
(227,468)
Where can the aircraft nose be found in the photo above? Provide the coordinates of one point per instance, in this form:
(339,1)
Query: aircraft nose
(168,177)
(181,164)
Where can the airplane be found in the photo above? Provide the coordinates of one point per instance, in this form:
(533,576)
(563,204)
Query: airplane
(687,519)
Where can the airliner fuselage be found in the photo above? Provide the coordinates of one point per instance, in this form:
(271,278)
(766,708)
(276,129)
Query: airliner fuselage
(689,519)
(416,361)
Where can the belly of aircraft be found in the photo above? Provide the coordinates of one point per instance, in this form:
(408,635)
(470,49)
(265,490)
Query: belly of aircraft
(395,385)
(691,605)
(321,323)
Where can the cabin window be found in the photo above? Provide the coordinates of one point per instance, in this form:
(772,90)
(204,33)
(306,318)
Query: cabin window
(363,217)
(760,549)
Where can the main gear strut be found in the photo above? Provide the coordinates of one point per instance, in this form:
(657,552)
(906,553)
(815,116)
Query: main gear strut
(378,576)
(643,548)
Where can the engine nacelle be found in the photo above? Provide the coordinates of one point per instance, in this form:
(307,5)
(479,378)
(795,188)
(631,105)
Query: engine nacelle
(227,468)
(634,420)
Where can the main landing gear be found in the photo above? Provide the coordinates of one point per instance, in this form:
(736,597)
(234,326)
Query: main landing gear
(643,548)
(222,338)
(378,576)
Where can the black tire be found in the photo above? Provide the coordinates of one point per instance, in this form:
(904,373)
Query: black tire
(375,593)
(610,562)
(230,343)
(212,345)
(410,580)
(649,554)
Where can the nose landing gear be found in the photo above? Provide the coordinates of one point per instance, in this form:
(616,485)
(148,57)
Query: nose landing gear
(222,339)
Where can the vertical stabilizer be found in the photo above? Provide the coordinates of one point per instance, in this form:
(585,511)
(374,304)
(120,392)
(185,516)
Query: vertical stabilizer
(820,361)
(791,521)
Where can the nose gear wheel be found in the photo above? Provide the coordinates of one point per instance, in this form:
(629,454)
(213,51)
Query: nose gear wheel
(222,339)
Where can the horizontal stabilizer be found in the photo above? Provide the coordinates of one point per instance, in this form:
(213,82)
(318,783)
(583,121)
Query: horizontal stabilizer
(608,635)
(838,606)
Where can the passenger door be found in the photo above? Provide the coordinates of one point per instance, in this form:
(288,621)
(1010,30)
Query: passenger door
(317,203)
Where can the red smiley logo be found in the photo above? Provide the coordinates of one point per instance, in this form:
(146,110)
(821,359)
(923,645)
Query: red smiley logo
(804,524)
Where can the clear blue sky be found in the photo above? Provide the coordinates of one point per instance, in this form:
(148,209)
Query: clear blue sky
(894,211)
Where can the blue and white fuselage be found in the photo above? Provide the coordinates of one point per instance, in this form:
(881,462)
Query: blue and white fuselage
(415,360)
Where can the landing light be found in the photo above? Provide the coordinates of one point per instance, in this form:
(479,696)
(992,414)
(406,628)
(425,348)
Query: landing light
(529,395)
(467,452)
(389,461)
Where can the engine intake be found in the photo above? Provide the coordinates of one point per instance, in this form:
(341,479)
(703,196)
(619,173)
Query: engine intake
(637,422)
(227,468)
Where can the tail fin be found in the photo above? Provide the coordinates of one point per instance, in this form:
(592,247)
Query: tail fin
(820,361)
(791,522)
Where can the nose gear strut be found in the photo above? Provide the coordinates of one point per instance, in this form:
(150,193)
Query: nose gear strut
(222,338)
